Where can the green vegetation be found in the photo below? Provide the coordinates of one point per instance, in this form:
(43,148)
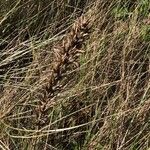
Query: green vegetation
(74,74)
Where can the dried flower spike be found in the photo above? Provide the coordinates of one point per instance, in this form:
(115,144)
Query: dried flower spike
(64,54)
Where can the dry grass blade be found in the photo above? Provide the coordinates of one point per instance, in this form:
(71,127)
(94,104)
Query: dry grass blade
(74,74)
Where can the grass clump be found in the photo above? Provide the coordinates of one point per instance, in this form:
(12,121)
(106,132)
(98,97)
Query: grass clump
(74,75)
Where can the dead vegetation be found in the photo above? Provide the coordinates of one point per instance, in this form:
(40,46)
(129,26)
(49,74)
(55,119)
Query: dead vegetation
(77,80)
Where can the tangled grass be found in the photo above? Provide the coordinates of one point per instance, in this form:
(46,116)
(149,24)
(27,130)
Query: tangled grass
(75,75)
